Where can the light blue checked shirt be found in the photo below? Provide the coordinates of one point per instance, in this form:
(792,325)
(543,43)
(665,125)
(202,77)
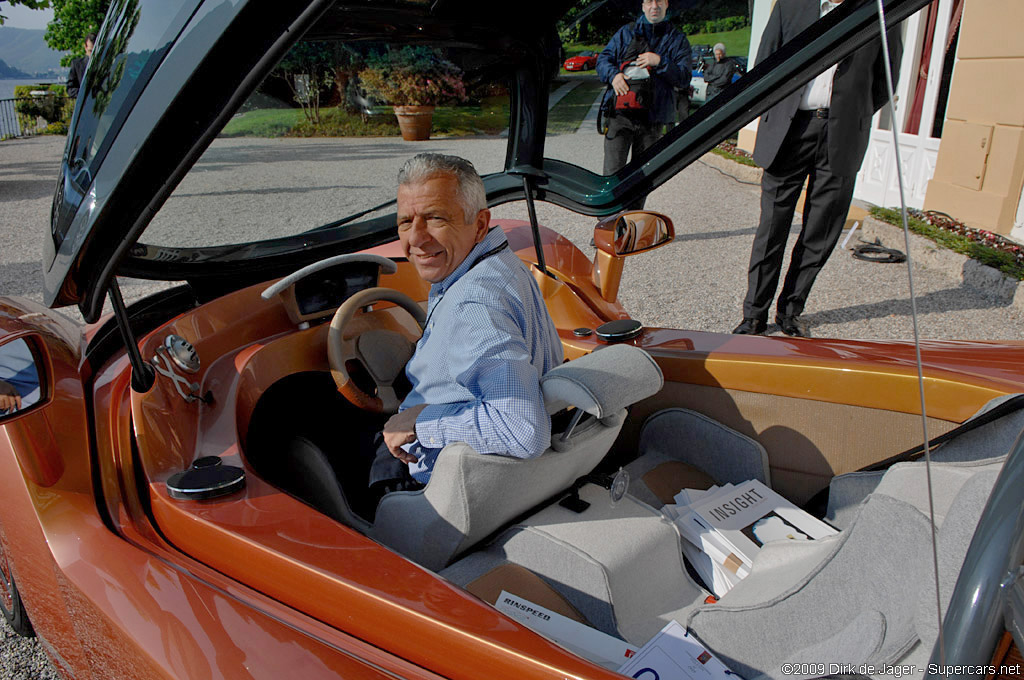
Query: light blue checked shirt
(487,342)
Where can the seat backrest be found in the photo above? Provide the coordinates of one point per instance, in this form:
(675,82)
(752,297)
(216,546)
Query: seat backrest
(469,496)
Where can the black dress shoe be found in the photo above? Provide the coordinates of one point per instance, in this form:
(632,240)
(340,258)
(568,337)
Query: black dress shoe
(792,325)
(750,327)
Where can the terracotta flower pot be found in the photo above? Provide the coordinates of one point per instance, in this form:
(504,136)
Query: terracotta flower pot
(415,122)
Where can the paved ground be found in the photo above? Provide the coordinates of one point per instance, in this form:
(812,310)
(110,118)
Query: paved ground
(696,282)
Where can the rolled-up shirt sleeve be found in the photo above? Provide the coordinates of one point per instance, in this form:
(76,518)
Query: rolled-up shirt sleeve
(507,415)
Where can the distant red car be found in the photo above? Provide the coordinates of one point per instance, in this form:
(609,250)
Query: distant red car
(584,61)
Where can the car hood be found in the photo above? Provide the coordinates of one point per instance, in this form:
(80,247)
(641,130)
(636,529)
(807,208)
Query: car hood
(191,63)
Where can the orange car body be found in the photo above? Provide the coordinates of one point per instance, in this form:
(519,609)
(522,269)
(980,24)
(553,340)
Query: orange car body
(263,582)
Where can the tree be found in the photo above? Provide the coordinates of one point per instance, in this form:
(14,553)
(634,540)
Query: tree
(72,21)
(308,70)
(31,4)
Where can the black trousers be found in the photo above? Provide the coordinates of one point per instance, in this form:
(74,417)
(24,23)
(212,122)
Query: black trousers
(625,134)
(803,156)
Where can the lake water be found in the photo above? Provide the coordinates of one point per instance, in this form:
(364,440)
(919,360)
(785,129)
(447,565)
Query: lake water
(7,86)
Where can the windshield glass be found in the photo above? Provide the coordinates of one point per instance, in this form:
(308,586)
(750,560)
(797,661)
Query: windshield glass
(322,138)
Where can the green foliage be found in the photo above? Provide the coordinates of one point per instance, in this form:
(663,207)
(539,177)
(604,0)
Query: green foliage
(418,76)
(110,59)
(72,21)
(993,257)
(582,23)
(308,69)
(737,43)
(738,158)
(337,122)
(55,108)
(716,25)
(31,4)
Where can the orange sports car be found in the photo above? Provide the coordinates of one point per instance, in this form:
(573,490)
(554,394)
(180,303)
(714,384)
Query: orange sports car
(178,475)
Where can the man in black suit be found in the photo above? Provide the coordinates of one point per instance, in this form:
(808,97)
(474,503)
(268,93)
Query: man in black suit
(819,133)
(78,66)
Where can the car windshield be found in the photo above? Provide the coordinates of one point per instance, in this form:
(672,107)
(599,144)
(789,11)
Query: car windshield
(323,137)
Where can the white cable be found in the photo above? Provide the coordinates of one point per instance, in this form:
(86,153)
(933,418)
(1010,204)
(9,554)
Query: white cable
(913,314)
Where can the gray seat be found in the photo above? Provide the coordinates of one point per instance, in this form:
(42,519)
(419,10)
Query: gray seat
(470,496)
(876,578)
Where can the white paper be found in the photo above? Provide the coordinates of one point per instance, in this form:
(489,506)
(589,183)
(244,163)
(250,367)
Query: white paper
(672,654)
(751,514)
(578,638)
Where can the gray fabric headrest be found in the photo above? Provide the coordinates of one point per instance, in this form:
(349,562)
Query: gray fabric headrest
(602,382)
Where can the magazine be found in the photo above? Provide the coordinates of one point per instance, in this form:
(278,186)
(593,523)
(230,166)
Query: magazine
(724,528)
(746,516)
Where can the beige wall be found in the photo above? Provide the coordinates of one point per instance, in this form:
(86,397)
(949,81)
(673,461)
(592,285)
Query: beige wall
(980,167)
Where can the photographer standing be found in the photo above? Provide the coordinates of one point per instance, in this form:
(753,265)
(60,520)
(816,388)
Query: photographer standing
(643,62)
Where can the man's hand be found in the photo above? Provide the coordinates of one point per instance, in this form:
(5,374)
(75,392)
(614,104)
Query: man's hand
(9,397)
(401,429)
(619,84)
(648,60)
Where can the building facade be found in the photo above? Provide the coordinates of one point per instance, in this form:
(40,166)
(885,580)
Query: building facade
(959,115)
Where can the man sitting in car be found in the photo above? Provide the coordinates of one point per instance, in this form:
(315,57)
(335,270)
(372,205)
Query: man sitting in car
(487,340)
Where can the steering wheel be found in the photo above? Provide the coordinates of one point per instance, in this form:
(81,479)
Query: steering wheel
(382,352)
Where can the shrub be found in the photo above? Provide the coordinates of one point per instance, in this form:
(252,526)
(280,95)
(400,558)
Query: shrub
(412,76)
(55,108)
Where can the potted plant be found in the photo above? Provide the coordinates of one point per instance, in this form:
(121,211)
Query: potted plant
(413,80)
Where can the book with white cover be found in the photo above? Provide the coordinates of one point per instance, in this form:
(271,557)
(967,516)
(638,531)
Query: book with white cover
(674,654)
(748,515)
(590,643)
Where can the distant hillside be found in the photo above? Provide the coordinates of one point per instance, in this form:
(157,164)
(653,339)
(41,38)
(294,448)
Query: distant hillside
(26,50)
(11,72)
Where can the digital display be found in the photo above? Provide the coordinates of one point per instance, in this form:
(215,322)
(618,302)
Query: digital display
(328,289)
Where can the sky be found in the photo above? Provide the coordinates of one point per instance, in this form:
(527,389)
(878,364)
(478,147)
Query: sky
(20,17)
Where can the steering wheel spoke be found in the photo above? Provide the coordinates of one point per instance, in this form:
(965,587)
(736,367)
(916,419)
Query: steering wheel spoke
(382,352)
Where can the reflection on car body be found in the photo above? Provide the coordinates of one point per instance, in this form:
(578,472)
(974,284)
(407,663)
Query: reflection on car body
(279,577)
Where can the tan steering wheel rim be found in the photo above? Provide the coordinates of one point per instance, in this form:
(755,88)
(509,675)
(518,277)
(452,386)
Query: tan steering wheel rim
(338,355)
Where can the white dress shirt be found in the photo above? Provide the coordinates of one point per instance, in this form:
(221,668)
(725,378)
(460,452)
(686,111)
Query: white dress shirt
(818,93)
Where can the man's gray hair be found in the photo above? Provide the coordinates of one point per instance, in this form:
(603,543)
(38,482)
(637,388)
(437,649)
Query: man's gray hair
(470,191)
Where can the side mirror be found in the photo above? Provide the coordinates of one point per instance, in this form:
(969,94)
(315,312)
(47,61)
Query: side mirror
(22,373)
(627,233)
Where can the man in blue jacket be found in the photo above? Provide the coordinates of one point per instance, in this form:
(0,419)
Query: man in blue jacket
(654,45)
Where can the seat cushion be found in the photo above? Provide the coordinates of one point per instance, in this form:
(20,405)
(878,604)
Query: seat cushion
(877,566)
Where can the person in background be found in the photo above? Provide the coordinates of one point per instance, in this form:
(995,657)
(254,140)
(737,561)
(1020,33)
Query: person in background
(77,73)
(659,48)
(819,133)
(718,75)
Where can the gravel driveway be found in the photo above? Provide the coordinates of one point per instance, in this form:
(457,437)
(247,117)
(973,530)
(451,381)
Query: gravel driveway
(697,282)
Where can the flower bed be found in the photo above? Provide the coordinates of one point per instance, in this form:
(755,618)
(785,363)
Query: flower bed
(979,244)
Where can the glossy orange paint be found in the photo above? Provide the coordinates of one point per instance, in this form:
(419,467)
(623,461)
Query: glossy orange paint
(144,586)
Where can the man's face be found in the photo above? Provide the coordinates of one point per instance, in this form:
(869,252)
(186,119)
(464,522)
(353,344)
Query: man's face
(719,54)
(433,229)
(88,47)
(655,10)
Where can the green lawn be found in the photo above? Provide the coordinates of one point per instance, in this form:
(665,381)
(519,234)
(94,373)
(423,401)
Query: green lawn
(489,118)
(737,43)
(262,123)
(570,111)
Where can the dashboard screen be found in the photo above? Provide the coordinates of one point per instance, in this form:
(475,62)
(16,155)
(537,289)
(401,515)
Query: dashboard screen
(326,290)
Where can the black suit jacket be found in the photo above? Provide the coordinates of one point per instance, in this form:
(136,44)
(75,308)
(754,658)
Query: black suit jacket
(858,90)
(75,75)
